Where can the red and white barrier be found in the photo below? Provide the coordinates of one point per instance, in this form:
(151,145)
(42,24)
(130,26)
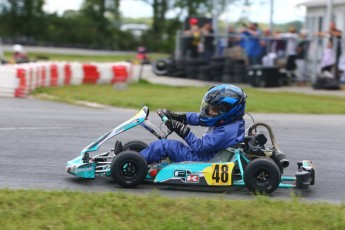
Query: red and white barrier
(21,79)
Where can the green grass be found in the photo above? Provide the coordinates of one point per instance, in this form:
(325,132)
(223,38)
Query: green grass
(86,58)
(189,98)
(27,209)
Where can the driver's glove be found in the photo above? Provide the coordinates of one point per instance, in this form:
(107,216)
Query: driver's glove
(178,127)
(181,117)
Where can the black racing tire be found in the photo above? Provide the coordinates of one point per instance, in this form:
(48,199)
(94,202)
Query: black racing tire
(205,73)
(160,67)
(128,169)
(192,72)
(218,59)
(217,66)
(227,78)
(179,74)
(312,175)
(134,146)
(171,68)
(180,64)
(262,176)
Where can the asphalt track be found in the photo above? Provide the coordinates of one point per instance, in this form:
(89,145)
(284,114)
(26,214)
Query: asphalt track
(38,137)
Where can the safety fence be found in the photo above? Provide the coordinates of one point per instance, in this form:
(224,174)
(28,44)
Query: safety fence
(21,79)
(309,53)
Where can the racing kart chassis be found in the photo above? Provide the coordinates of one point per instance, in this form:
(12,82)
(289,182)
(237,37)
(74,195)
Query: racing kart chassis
(248,164)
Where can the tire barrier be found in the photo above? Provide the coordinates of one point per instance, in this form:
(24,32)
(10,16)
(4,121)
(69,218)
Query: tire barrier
(219,69)
(325,82)
(160,67)
(262,76)
(21,79)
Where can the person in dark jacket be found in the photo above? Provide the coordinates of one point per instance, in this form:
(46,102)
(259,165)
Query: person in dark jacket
(222,110)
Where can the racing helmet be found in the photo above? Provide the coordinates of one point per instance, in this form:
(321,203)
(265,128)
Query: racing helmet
(17,48)
(222,104)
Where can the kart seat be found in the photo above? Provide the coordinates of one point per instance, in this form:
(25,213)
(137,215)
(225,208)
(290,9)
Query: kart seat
(222,156)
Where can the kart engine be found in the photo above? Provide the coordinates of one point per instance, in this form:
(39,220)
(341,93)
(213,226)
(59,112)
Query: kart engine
(255,145)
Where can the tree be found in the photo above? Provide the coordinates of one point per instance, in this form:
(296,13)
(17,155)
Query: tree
(103,15)
(22,17)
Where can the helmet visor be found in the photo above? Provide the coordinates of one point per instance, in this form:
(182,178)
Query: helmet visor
(212,111)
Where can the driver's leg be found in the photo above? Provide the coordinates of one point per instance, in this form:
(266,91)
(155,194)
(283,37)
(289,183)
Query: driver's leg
(162,149)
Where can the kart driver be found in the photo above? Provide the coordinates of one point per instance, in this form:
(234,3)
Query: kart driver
(222,110)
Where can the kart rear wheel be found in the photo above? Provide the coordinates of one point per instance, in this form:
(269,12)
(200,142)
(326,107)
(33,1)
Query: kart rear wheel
(135,146)
(262,176)
(128,169)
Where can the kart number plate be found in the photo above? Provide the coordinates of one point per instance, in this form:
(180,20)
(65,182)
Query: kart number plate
(219,174)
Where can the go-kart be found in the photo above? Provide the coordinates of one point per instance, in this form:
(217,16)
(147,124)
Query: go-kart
(249,164)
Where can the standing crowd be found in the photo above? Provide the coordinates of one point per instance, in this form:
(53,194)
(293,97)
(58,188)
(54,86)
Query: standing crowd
(263,47)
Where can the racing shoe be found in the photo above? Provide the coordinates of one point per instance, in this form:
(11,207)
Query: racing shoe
(118,147)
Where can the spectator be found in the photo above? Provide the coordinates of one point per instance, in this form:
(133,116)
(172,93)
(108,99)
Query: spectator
(252,44)
(328,60)
(291,45)
(234,48)
(279,45)
(265,43)
(301,50)
(334,36)
(208,41)
(233,40)
(192,39)
(19,56)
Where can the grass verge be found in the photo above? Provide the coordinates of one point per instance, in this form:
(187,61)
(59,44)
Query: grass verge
(189,98)
(28,209)
(85,58)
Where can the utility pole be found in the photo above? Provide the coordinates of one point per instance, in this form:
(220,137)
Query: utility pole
(215,15)
(1,51)
(329,14)
(271,15)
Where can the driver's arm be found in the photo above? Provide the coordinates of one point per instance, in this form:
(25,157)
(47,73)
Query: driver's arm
(193,118)
(220,138)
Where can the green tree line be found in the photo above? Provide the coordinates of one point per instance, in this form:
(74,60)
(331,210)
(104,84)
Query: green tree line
(96,24)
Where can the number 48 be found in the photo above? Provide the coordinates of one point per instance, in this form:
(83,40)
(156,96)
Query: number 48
(224,175)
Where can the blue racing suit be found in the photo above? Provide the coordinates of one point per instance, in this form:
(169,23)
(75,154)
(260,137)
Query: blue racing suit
(198,149)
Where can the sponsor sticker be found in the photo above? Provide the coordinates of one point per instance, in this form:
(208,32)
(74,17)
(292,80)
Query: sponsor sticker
(192,179)
(180,173)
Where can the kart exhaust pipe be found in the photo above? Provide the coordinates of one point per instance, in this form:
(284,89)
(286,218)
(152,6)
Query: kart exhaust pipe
(278,155)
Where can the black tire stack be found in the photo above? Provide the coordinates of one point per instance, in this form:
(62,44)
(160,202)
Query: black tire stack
(326,83)
(205,73)
(180,69)
(217,67)
(160,67)
(193,66)
(228,73)
(235,71)
(240,72)
(263,76)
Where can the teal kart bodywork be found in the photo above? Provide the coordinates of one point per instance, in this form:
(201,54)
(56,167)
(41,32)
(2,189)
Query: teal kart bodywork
(79,168)
(249,164)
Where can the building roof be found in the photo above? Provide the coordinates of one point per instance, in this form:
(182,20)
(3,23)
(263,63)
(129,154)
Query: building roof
(315,3)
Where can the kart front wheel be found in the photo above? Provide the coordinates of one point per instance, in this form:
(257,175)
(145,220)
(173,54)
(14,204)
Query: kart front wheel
(135,146)
(262,176)
(129,169)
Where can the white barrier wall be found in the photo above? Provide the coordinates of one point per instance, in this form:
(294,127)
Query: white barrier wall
(8,81)
(21,79)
